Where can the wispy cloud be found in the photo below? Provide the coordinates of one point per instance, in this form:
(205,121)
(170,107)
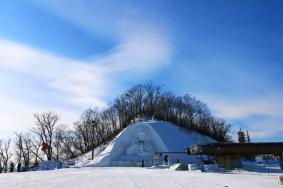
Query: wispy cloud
(264,134)
(262,116)
(266,127)
(244,108)
(141,49)
(87,82)
(97,18)
(83,83)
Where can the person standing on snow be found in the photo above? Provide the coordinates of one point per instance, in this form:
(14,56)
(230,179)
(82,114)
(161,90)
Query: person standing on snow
(166,159)
(12,167)
(19,167)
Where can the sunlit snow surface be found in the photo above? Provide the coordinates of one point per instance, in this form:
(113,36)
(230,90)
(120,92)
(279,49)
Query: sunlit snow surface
(103,177)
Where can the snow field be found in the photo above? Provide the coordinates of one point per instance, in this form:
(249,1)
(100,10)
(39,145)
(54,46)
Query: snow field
(120,177)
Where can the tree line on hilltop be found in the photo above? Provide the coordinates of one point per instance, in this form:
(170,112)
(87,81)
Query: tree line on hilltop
(97,127)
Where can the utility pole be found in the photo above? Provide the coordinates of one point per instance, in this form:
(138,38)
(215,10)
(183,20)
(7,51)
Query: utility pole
(92,140)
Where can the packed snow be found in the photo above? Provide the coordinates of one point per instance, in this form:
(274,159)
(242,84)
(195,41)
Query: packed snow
(141,140)
(134,177)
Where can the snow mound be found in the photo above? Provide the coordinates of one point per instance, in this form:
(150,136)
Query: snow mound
(136,145)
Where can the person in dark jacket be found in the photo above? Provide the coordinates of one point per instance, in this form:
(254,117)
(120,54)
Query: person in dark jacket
(166,159)
(19,167)
(12,167)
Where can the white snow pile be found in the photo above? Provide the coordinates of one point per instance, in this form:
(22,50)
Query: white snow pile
(141,140)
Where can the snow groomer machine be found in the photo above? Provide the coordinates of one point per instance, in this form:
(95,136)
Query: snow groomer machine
(229,155)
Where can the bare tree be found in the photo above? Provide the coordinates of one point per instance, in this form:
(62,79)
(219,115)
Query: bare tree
(45,125)
(92,119)
(5,154)
(109,119)
(56,141)
(35,143)
(165,106)
(87,132)
(139,95)
(19,146)
(152,97)
(65,139)
(27,149)
(1,157)
(121,106)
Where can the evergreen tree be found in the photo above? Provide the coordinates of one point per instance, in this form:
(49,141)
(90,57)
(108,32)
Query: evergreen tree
(241,136)
(248,137)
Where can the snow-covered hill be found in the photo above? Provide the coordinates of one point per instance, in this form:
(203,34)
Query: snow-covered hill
(141,140)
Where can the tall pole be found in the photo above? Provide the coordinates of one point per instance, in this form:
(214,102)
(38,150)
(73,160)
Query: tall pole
(92,142)
(92,153)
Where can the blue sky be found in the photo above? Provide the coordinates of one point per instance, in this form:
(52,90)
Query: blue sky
(66,56)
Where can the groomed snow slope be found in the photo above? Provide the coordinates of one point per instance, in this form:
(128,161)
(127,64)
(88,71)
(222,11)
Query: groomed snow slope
(141,140)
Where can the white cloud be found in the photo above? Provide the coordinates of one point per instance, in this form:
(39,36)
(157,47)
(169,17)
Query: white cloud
(17,115)
(88,82)
(59,73)
(263,134)
(77,82)
(142,49)
(244,108)
(267,127)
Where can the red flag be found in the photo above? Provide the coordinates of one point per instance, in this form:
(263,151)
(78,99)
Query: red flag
(44,146)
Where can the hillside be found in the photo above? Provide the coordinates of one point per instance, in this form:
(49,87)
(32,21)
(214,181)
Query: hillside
(141,140)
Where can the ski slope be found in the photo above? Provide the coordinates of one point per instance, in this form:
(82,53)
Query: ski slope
(121,177)
(141,140)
